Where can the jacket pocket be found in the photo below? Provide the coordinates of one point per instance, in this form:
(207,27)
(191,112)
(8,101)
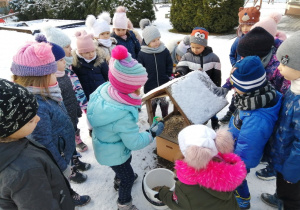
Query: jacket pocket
(61,146)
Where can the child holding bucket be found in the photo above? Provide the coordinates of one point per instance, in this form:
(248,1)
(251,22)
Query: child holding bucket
(113,114)
(208,173)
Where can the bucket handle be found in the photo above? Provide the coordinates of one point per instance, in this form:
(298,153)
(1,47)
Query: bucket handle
(147,198)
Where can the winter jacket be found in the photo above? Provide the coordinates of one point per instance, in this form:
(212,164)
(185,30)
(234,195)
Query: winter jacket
(284,145)
(79,93)
(206,189)
(233,55)
(131,43)
(30,178)
(115,129)
(91,75)
(69,99)
(207,61)
(55,131)
(159,67)
(251,130)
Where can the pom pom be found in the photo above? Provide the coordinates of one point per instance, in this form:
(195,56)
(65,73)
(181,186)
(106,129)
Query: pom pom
(90,21)
(119,52)
(40,38)
(121,9)
(78,34)
(144,23)
(186,40)
(276,16)
(198,157)
(224,141)
(43,51)
(105,16)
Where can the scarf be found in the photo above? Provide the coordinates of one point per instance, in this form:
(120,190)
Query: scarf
(265,60)
(54,92)
(60,73)
(151,50)
(69,61)
(129,99)
(124,37)
(295,86)
(105,42)
(254,100)
(86,60)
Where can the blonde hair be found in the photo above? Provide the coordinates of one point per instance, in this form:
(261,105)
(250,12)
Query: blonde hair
(37,81)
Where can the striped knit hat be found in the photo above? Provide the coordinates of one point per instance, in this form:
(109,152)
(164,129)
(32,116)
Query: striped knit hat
(249,74)
(34,59)
(125,74)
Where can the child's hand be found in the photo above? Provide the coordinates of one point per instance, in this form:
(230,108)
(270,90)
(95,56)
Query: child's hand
(157,127)
(177,74)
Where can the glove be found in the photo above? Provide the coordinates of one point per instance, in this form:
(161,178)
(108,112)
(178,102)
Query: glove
(220,91)
(157,196)
(156,128)
(67,172)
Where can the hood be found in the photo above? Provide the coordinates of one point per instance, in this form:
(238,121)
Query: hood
(207,50)
(103,110)
(10,151)
(224,176)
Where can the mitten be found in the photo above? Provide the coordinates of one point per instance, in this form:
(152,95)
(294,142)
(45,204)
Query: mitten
(157,127)
(220,91)
(157,196)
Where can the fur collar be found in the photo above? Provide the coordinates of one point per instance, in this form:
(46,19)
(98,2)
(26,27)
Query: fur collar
(224,176)
(101,56)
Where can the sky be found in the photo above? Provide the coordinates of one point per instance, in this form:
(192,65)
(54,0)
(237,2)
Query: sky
(99,184)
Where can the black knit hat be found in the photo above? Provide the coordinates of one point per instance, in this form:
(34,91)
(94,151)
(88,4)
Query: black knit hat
(17,107)
(256,42)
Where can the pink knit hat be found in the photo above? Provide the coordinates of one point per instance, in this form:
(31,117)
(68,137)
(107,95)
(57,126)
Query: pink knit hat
(34,59)
(120,19)
(84,42)
(125,74)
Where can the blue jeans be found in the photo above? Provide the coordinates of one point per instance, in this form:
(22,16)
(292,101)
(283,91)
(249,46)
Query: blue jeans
(243,189)
(125,173)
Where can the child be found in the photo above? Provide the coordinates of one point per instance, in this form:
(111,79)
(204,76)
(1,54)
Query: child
(208,173)
(201,57)
(113,113)
(283,148)
(247,18)
(101,31)
(34,67)
(155,57)
(121,33)
(57,36)
(179,50)
(257,103)
(30,178)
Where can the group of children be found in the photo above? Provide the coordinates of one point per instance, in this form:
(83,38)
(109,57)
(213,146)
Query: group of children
(103,76)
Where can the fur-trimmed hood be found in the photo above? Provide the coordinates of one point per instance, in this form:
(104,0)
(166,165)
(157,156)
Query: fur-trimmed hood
(101,56)
(224,176)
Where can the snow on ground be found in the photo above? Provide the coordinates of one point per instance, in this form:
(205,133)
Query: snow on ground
(100,178)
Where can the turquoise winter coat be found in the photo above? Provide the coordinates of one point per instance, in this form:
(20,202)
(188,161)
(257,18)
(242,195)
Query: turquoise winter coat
(115,129)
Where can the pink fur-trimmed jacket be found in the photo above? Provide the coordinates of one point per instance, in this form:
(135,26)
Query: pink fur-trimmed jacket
(210,188)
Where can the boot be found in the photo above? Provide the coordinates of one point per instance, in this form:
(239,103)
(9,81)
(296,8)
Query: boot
(118,181)
(226,118)
(271,200)
(267,173)
(77,177)
(80,200)
(79,144)
(79,164)
(244,203)
(127,206)
(215,124)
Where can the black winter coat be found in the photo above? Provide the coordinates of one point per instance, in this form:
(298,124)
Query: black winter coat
(159,67)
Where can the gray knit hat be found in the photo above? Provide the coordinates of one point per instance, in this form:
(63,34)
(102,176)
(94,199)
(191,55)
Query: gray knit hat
(183,46)
(17,107)
(199,36)
(149,32)
(289,51)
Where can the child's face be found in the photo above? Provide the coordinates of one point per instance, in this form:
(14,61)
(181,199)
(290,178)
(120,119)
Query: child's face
(245,28)
(178,57)
(52,80)
(68,50)
(197,49)
(154,43)
(61,64)
(26,129)
(288,73)
(104,35)
(120,31)
(238,91)
(88,55)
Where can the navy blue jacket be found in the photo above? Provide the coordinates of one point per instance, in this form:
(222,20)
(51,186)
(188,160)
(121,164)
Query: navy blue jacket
(234,56)
(159,67)
(131,43)
(91,75)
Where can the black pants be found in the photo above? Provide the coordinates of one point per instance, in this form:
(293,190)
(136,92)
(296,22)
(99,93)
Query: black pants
(164,106)
(288,193)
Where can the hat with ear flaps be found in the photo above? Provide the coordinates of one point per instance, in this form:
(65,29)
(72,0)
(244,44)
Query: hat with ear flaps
(249,15)
(199,144)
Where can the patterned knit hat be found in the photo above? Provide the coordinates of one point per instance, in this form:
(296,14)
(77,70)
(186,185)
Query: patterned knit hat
(99,25)
(289,51)
(17,107)
(56,36)
(249,15)
(199,36)
(34,59)
(125,74)
(183,46)
(256,42)
(84,42)
(120,19)
(249,74)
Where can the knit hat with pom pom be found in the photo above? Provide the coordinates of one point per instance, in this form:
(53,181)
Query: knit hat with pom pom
(249,15)
(56,36)
(149,32)
(34,59)
(199,144)
(120,19)
(84,42)
(99,25)
(126,75)
(183,46)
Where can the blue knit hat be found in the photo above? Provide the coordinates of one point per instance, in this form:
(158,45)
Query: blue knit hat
(249,74)
(57,51)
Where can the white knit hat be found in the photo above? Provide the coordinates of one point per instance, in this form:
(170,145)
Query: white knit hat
(56,36)
(99,25)
(183,46)
(120,19)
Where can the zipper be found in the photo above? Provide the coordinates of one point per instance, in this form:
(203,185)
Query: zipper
(156,70)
